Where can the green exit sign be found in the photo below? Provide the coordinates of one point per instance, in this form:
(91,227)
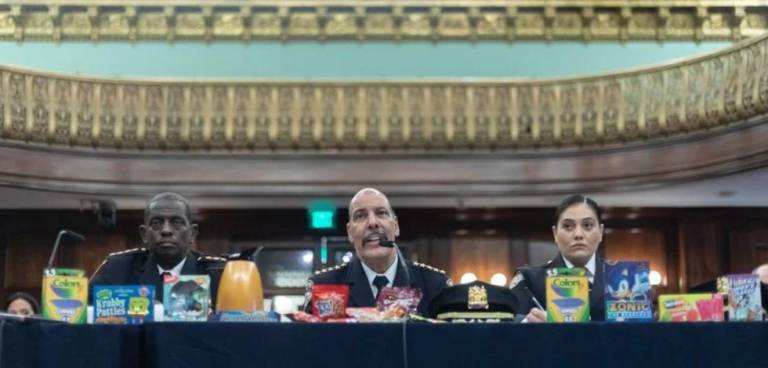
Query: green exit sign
(322,215)
(322,219)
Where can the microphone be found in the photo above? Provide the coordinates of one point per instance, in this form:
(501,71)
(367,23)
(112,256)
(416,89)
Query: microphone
(69,233)
(391,244)
(387,243)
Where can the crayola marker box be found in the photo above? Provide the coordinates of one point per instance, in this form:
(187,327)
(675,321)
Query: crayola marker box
(65,295)
(567,295)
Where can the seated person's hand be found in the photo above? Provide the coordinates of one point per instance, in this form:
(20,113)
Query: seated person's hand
(536,315)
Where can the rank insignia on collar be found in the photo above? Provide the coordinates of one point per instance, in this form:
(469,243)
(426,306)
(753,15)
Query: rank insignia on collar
(477,297)
(516,280)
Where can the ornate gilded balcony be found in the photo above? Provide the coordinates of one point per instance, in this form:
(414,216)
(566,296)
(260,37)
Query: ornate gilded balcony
(698,94)
(382,19)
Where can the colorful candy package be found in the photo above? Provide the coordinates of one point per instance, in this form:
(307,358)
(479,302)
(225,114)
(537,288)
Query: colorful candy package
(329,301)
(691,307)
(397,302)
(304,317)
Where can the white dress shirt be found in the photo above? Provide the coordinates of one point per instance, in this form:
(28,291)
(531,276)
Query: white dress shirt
(590,266)
(389,273)
(175,271)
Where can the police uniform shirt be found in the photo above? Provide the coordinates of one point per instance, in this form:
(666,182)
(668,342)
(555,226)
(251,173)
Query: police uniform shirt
(411,274)
(136,267)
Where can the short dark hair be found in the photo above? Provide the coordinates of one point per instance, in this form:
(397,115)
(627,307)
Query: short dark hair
(23,296)
(577,199)
(169,196)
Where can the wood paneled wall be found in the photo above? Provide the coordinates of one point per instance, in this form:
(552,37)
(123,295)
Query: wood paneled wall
(648,244)
(688,246)
(481,254)
(749,248)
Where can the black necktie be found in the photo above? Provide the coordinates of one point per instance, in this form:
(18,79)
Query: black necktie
(380,282)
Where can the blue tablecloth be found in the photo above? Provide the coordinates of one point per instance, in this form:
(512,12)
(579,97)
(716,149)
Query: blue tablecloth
(48,344)
(274,345)
(590,345)
(35,344)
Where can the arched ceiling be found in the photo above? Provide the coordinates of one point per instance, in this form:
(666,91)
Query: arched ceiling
(344,60)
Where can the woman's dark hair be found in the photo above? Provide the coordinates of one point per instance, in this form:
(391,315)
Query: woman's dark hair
(23,296)
(576,199)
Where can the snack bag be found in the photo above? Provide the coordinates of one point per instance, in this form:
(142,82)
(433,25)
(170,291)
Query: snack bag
(329,301)
(397,302)
(304,317)
(366,314)
(743,293)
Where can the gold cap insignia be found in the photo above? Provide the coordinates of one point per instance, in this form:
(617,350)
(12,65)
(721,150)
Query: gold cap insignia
(477,297)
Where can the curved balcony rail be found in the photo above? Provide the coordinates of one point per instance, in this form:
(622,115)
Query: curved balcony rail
(698,94)
(586,20)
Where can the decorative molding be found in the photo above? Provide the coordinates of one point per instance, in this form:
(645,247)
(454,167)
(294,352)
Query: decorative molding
(674,99)
(587,20)
(476,179)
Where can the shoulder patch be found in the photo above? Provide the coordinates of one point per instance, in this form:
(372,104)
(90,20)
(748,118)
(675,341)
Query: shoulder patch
(426,266)
(518,278)
(332,268)
(128,251)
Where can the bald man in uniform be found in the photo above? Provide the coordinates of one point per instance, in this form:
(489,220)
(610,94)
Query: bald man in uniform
(372,222)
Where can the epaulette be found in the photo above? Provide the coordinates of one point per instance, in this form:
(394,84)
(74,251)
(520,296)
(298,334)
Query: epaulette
(417,264)
(128,251)
(204,258)
(546,264)
(516,279)
(332,268)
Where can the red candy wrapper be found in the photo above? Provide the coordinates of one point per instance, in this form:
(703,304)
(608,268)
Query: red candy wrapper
(304,317)
(398,301)
(341,320)
(329,301)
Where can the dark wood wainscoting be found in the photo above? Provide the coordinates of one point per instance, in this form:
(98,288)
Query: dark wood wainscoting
(686,246)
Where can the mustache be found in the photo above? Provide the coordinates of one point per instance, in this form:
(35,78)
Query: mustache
(374,235)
